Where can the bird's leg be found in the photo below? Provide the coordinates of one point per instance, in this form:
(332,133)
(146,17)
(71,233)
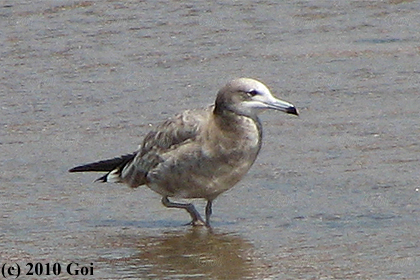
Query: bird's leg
(196,218)
(208,212)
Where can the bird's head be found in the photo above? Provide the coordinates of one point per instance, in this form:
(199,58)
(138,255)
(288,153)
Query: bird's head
(245,96)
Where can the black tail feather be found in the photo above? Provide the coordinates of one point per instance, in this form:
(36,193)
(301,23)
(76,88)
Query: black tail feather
(104,165)
(103,179)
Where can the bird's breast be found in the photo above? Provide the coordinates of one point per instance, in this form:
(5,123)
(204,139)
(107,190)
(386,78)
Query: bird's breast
(211,164)
(242,138)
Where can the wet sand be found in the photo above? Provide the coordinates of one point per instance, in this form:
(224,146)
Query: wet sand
(334,193)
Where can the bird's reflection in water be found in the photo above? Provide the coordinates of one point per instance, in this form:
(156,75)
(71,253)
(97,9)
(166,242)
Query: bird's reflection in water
(194,253)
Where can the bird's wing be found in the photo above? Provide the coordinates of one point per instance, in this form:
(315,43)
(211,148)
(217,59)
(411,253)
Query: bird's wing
(173,131)
(166,137)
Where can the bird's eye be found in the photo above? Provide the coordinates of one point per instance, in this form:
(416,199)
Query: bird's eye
(252,92)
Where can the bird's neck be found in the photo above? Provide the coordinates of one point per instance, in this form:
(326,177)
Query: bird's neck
(237,125)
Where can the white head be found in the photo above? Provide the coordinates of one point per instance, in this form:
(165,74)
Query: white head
(249,97)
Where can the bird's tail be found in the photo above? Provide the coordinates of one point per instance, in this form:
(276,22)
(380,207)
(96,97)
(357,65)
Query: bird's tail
(113,165)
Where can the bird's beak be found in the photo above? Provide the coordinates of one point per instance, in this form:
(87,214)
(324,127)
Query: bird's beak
(281,105)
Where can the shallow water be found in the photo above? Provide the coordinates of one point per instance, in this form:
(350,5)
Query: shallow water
(334,193)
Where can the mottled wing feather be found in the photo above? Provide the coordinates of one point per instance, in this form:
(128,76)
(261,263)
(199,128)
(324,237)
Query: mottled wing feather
(171,132)
(165,137)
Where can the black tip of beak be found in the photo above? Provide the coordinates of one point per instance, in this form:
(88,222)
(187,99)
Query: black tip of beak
(293,111)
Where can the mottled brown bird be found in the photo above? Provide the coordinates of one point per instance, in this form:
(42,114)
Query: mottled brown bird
(198,153)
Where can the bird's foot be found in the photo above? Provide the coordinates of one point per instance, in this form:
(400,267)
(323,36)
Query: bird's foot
(197,222)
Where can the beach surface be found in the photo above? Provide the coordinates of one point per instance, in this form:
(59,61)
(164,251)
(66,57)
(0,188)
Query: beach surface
(334,193)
